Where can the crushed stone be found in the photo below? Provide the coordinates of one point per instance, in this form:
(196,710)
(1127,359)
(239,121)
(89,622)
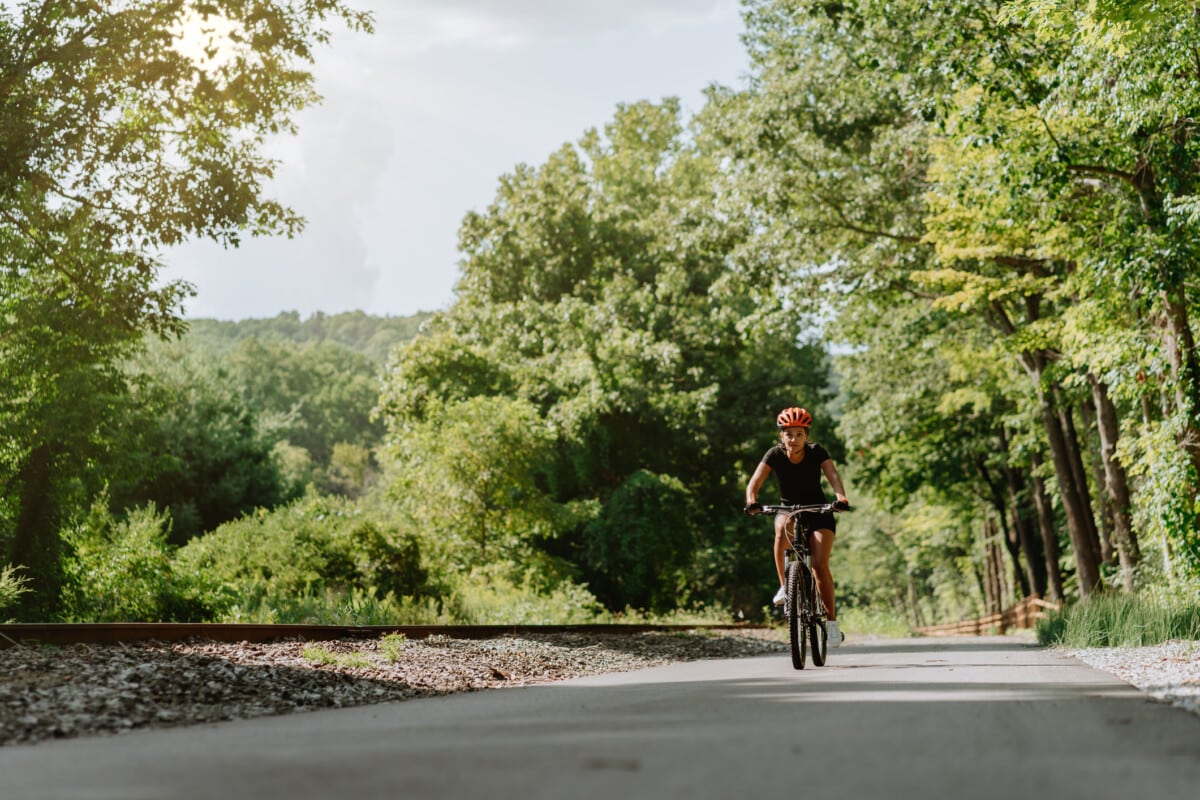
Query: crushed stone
(81,690)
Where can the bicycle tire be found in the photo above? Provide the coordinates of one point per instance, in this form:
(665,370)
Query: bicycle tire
(817,632)
(795,598)
(820,642)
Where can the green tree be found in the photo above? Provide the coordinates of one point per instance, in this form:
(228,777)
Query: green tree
(191,444)
(606,289)
(1075,171)
(639,547)
(372,336)
(318,394)
(841,143)
(117,139)
(474,477)
(1129,149)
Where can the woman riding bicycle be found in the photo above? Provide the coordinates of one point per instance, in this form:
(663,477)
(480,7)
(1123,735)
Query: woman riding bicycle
(798,465)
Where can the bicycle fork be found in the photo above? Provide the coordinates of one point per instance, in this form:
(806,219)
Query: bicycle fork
(812,608)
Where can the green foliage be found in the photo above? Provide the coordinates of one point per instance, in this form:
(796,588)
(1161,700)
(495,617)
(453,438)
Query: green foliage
(12,585)
(1002,196)
(371,336)
(122,571)
(637,550)
(491,596)
(318,654)
(472,477)
(305,548)
(605,292)
(192,445)
(392,647)
(1111,620)
(116,143)
(335,606)
(318,395)
(986,215)
(1166,513)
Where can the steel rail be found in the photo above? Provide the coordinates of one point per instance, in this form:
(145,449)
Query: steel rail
(16,634)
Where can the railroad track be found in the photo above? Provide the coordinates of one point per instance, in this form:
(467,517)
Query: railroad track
(99,633)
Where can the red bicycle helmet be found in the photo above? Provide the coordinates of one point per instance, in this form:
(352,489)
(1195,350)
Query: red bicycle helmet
(793,418)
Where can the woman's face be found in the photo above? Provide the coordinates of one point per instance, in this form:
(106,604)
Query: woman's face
(793,439)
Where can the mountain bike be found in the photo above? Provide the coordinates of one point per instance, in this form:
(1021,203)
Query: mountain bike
(805,611)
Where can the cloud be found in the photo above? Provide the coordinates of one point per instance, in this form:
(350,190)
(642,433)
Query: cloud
(332,175)
(420,120)
(420,26)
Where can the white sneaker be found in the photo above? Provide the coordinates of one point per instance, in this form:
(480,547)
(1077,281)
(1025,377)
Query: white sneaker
(834,633)
(780,597)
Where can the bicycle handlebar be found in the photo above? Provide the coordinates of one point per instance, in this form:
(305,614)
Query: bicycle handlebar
(822,508)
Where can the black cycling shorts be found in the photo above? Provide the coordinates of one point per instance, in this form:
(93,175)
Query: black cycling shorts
(819,520)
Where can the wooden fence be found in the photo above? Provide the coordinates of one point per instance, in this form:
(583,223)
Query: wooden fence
(1024,614)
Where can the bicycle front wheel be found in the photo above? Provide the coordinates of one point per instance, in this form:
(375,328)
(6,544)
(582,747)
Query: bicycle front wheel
(796,594)
(816,626)
(819,637)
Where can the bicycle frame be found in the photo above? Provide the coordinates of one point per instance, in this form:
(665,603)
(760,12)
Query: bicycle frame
(803,607)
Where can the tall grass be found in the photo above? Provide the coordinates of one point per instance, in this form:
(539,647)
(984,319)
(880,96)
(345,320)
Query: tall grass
(867,621)
(338,607)
(12,585)
(477,600)
(1122,620)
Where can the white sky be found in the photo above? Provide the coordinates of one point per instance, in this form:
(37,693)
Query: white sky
(422,118)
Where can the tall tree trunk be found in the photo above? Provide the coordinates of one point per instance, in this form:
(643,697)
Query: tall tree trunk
(1082,535)
(1002,588)
(1010,538)
(35,545)
(1087,563)
(1181,351)
(1045,516)
(1075,456)
(1116,484)
(1031,545)
(1106,523)
(1022,520)
(990,567)
(1012,543)
(1147,413)
(915,601)
(981,578)
(1185,369)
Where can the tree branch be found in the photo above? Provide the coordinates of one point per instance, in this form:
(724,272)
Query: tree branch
(848,225)
(1125,177)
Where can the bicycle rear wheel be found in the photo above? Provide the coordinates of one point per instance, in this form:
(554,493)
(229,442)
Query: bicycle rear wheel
(796,594)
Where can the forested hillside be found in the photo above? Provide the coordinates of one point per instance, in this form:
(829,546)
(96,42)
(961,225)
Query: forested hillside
(965,236)
(372,336)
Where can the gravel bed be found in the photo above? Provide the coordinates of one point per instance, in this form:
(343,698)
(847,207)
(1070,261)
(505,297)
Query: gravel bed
(79,690)
(1170,673)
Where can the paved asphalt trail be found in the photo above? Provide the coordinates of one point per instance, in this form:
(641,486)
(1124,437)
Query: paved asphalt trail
(922,718)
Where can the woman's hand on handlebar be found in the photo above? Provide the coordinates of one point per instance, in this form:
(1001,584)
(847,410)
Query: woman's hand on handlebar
(753,509)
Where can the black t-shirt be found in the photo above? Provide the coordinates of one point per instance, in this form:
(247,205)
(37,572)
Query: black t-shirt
(799,484)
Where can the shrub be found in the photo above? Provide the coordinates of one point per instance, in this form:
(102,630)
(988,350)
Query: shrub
(636,550)
(121,570)
(317,550)
(12,585)
(491,596)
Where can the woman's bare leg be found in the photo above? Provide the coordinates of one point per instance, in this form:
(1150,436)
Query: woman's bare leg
(822,545)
